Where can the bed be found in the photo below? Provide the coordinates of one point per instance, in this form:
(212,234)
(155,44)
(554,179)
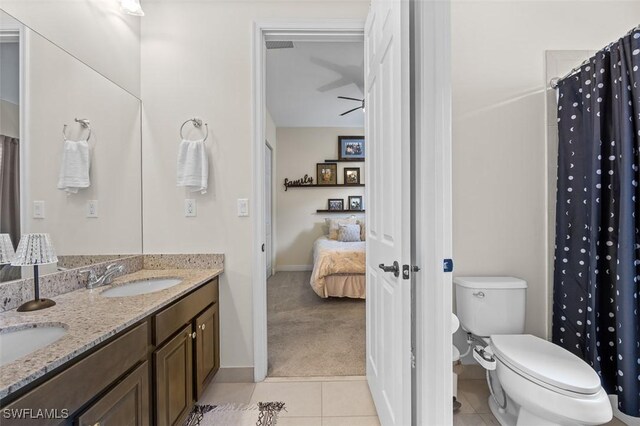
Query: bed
(338,268)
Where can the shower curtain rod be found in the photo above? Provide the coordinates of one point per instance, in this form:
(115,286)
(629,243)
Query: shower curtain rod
(554,82)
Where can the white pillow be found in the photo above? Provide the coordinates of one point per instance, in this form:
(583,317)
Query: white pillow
(334,225)
(349,233)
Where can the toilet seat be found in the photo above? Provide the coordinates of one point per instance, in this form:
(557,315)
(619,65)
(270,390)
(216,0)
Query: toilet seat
(546,364)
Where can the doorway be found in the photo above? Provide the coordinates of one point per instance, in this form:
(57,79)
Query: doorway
(431,227)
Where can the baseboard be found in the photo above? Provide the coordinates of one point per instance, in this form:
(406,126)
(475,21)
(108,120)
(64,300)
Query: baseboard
(293,268)
(234,375)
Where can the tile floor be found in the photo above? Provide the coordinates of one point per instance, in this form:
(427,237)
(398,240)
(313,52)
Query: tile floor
(330,401)
(475,411)
(342,401)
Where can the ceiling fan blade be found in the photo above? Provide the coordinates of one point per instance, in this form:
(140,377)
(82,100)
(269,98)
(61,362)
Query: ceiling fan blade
(351,99)
(351,110)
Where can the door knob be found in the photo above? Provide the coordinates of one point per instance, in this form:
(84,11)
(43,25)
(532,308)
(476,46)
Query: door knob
(395,268)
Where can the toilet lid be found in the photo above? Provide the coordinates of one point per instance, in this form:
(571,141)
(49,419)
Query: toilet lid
(546,362)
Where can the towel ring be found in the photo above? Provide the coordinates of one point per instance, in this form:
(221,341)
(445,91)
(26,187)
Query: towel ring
(197,123)
(85,123)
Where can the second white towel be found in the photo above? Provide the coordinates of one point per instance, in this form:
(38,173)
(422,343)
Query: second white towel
(193,166)
(74,169)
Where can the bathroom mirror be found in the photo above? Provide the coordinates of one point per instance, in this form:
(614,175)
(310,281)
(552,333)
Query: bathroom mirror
(44,91)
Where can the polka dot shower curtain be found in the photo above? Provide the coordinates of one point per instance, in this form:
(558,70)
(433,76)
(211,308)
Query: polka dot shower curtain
(597,254)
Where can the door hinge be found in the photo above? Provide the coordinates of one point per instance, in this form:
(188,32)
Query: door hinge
(413,358)
(448,265)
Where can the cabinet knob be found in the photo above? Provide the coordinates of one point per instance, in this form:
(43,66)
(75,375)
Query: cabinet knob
(203,326)
(193,335)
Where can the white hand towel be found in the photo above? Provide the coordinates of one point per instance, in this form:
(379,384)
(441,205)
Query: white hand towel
(193,166)
(74,169)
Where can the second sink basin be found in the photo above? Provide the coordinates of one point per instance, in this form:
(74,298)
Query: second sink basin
(22,340)
(135,288)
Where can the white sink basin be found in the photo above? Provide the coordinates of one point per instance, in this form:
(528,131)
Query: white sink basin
(135,288)
(22,340)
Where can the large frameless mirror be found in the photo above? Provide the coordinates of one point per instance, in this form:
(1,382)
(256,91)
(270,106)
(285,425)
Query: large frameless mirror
(70,153)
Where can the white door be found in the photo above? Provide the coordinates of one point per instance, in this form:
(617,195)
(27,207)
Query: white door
(268,203)
(388,213)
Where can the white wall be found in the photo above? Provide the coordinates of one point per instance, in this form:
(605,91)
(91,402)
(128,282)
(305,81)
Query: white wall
(62,88)
(206,71)
(298,224)
(95,31)
(499,160)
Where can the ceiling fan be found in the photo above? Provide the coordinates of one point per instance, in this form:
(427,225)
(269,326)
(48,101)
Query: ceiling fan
(352,99)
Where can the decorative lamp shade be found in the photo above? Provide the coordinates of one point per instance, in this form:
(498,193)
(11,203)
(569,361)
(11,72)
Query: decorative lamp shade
(6,249)
(132,7)
(34,249)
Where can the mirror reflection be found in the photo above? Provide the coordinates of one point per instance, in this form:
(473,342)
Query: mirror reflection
(70,154)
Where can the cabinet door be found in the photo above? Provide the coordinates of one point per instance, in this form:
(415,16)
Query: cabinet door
(126,404)
(173,364)
(207,347)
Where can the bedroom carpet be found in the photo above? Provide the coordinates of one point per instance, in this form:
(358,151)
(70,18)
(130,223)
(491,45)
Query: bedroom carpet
(312,336)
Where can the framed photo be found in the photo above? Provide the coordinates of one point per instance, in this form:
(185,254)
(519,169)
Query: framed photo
(351,148)
(336,204)
(355,202)
(351,175)
(326,173)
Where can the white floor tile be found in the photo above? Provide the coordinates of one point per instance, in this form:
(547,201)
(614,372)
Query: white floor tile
(302,399)
(347,399)
(351,421)
(222,393)
(299,421)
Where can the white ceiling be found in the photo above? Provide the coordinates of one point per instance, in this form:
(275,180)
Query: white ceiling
(303,84)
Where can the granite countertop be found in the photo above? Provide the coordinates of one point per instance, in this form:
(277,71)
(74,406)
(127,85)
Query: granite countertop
(90,319)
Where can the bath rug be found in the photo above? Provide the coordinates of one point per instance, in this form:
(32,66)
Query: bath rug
(260,414)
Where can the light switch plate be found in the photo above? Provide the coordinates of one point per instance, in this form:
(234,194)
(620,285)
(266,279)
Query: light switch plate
(38,210)
(190,208)
(92,208)
(243,207)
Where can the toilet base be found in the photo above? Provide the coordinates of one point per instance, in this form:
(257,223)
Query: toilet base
(506,418)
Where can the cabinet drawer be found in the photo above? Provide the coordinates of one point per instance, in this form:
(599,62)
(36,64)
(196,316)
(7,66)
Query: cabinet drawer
(78,384)
(173,318)
(126,404)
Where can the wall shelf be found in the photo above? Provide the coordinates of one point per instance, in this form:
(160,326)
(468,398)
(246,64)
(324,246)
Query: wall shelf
(345,161)
(339,185)
(340,211)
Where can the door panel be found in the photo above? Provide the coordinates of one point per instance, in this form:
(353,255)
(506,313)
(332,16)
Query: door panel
(126,404)
(268,202)
(207,348)
(389,214)
(174,379)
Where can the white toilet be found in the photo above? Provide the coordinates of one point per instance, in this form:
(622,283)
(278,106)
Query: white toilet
(541,383)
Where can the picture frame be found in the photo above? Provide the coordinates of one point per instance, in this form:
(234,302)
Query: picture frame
(351,148)
(352,175)
(326,174)
(355,202)
(336,204)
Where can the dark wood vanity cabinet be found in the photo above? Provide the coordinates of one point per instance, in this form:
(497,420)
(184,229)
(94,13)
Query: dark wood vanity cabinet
(149,374)
(185,362)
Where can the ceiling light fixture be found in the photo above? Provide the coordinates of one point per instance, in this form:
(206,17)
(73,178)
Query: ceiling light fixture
(132,7)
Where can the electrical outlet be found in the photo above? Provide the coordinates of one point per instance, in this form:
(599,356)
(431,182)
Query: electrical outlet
(38,210)
(243,207)
(92,208)
(190,209)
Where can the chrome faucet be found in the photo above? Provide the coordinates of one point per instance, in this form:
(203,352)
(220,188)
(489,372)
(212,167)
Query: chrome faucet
(94,281)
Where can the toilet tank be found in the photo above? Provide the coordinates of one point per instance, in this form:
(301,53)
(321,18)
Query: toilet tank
(491,305)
